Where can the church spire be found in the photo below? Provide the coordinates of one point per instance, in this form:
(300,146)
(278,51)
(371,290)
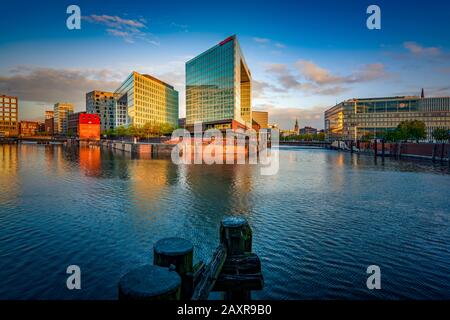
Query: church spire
(422,95)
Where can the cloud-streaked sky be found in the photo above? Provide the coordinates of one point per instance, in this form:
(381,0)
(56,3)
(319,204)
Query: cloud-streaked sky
(304,55)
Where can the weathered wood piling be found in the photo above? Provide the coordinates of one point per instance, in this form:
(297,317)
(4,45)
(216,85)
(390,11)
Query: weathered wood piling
(179,253)
(233,269)
(150,283)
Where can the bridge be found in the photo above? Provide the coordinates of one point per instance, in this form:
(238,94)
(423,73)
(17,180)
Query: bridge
(317,144)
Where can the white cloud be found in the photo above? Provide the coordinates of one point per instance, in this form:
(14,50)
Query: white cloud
(49,85)
(128,29)
(261,40)
(419,50)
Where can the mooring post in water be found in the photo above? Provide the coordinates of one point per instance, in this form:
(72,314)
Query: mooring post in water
(179,253)
(383,151)
(375,148)
(150,282)
(236,236)
(232,269)
(434,152)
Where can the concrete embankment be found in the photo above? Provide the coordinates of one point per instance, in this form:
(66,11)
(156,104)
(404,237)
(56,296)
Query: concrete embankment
(145,149)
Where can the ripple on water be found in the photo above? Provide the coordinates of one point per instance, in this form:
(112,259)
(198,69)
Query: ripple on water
(317,224)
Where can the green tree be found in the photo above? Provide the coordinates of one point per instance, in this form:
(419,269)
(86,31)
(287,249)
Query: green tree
(120,131)
(441,134)
(320,136)
(148,130)
(367,137)
(392,135)
(412,129)
(166,129)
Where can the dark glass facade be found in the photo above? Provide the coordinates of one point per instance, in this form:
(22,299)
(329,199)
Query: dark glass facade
(218,86)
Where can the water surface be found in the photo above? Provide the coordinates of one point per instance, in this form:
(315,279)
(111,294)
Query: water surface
(317,224)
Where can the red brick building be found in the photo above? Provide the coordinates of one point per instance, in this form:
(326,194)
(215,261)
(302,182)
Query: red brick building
(28,128)
(84,125)
(89,127)
(49,126)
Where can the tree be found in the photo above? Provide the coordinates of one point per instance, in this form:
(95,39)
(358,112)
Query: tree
(441,134)
(166,129)
(412,129)
(367,137)
(320,136)
(121,131)
(392,135)
(148,130)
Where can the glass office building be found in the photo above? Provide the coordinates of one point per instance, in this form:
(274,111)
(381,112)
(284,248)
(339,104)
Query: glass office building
(61,111)
(103,104)
(357,118)
(147,100)
(218,88)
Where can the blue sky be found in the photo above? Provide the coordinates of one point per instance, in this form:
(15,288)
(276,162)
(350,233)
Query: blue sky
(304,55)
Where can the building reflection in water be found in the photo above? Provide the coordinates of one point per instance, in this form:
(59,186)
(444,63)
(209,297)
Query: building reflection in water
(90,161)
(219,190)
(9,166)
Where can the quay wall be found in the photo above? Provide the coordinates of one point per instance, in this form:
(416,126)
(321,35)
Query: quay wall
(436,151)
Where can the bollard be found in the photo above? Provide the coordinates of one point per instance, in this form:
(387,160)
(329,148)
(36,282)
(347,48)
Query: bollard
(179,253)
(236,235)
(375,148)
(150,283)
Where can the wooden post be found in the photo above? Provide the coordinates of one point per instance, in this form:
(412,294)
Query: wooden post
(375,148)
(179,253)
(210,274)
(434,151)
(150,283)
(448,155)
(236,235)
(442,152)
(351,146)
(383,148)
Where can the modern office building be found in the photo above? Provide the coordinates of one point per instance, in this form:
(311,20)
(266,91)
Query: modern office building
(49,114)
(73,120)
(181,122)
(28,128)
(261,118)
(9,111)
(49,126)
(308,130)
(356,118)
(218,88)
(146,100)
(103,104)
(121,112)
(61,112)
